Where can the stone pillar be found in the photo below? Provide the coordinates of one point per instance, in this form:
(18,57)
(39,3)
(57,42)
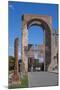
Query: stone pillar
(47,49)
(16,76)
(54,51)
(16,54)
(24,48)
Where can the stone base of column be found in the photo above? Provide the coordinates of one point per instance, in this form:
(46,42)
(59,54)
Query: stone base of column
(24,71)
(16,78)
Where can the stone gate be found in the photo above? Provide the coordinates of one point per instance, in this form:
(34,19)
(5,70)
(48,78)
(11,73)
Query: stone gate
(43,21)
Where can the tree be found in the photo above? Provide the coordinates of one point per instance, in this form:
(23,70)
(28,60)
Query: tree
(11,63)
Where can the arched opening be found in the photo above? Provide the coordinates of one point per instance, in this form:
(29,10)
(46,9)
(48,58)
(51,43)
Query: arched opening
(36,50)
(47,32)
(35,35)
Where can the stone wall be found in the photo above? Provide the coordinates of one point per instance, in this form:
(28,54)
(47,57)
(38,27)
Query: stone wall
(54,45)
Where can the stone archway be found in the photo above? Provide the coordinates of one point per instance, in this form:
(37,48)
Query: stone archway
(44,22)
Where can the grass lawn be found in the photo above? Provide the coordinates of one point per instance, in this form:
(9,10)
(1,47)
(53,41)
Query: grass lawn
(24,83)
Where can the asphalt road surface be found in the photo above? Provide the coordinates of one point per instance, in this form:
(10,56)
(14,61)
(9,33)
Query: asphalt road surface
(39,79)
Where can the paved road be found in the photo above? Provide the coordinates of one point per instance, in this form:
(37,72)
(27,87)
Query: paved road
(39,79)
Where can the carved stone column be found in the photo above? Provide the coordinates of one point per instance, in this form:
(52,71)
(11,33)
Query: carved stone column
(16,75)
(24,48)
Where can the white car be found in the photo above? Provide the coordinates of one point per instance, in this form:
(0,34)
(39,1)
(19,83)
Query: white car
(38,68)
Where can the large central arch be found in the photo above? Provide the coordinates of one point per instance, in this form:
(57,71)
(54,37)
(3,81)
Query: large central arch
(44,22)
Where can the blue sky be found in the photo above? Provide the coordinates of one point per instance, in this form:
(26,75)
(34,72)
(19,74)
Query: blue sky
(35,35)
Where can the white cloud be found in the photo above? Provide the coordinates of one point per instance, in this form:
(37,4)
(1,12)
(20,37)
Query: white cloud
(11,6)
(11,47)
(19,55)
